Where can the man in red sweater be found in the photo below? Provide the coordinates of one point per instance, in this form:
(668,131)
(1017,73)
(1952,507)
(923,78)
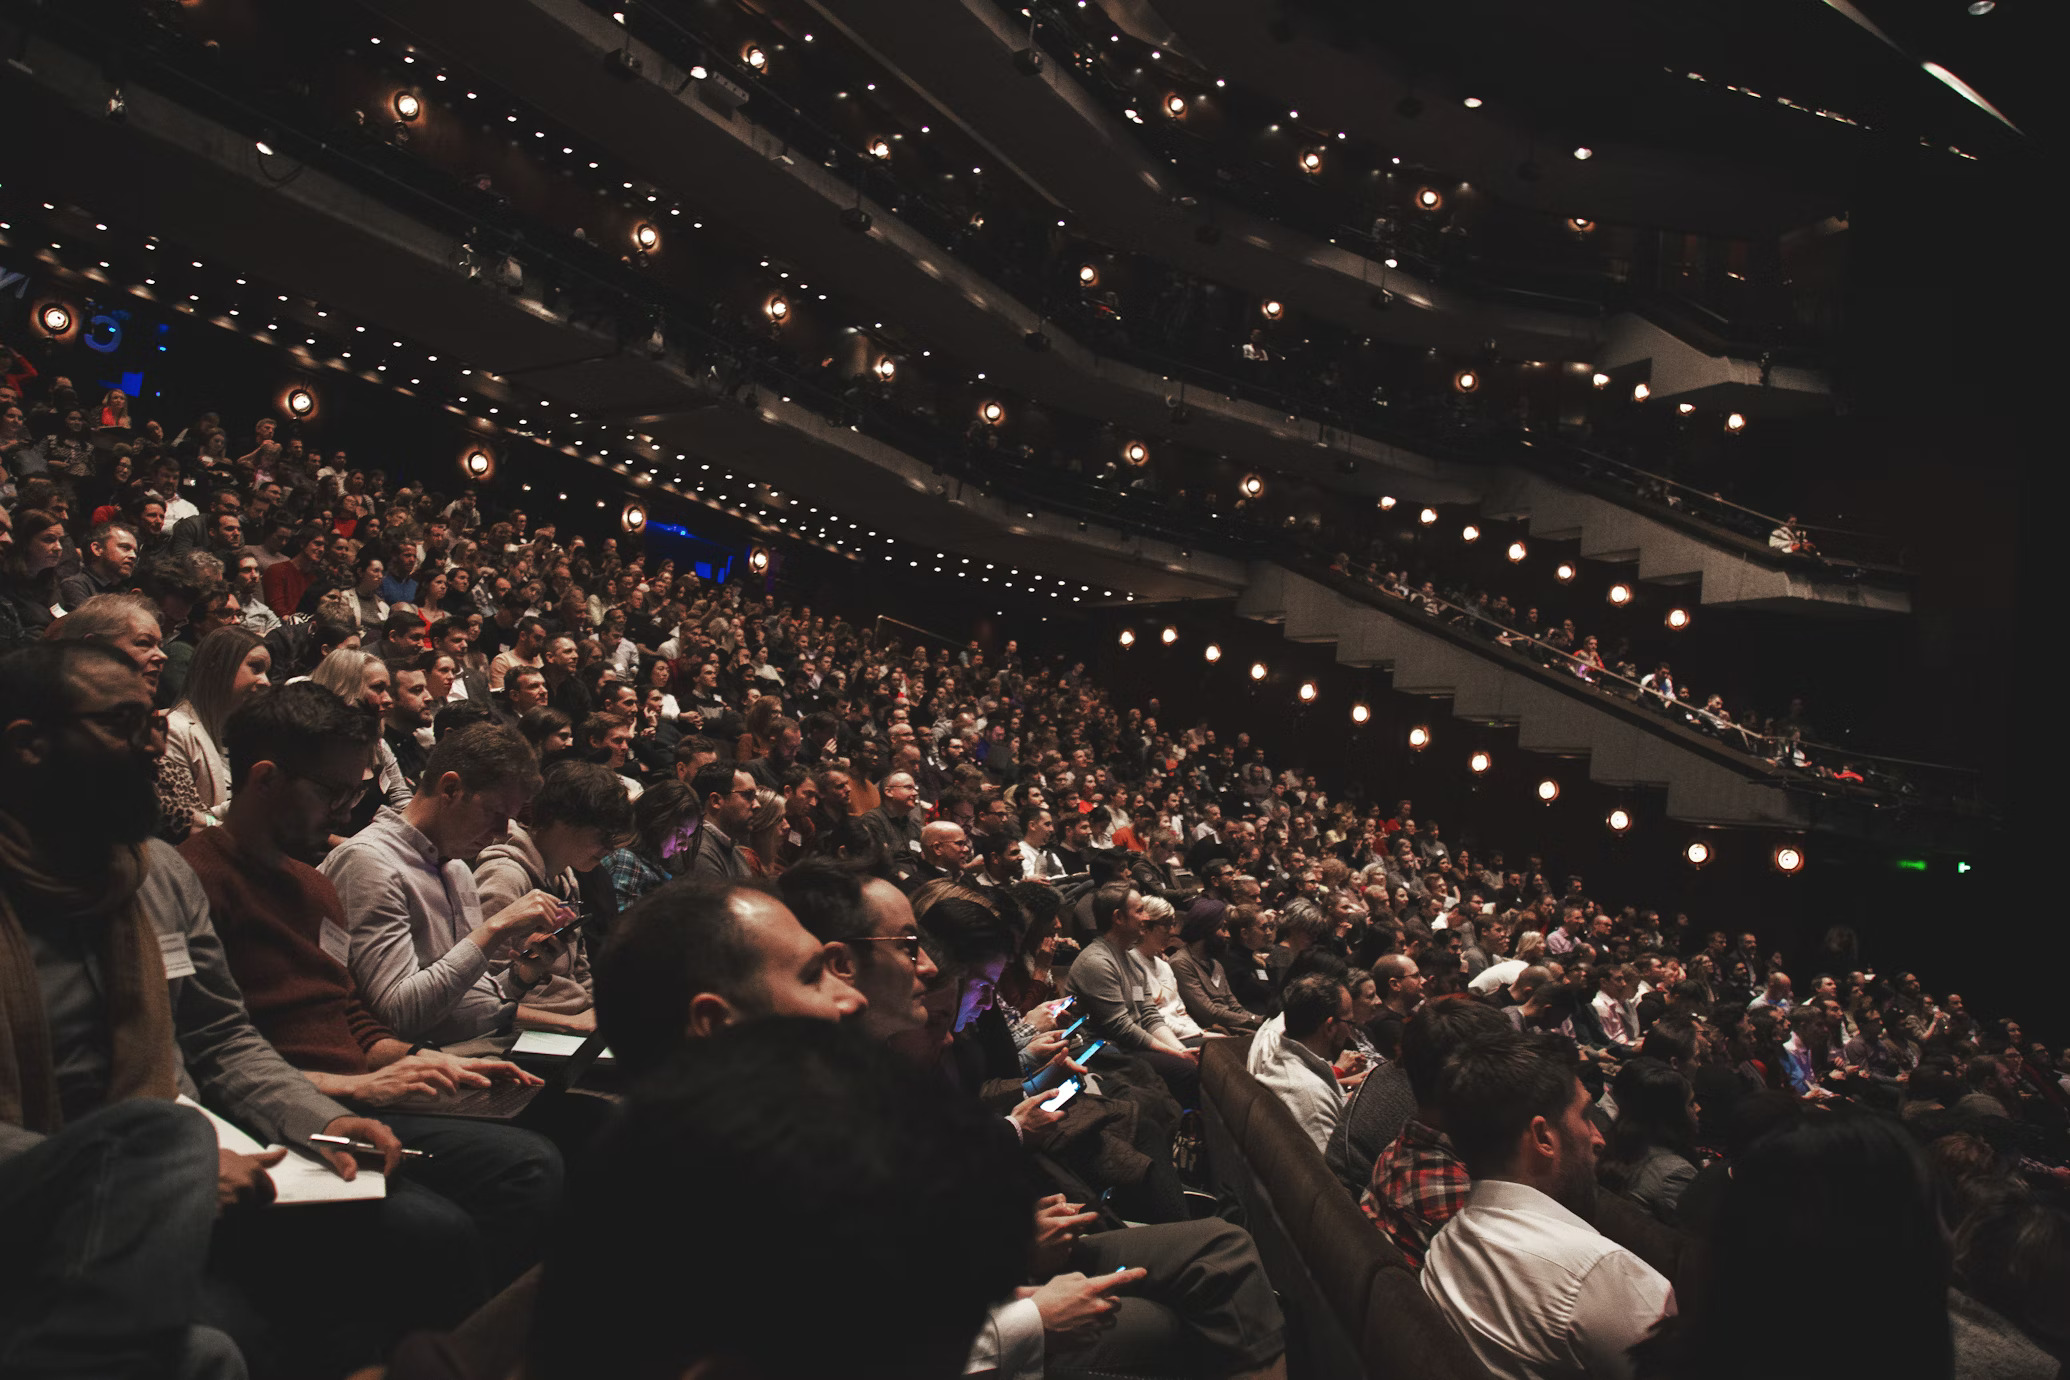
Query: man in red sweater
(464,1221)
(287,581)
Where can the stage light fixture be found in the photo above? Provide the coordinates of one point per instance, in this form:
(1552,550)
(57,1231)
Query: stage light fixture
(886,369)
(1641,392)
(777,309)
(1600,379)
(1307,692)
(1788,859)
(758,560)
(1257,670)
(1564,572)
(1517,552)
(265,149)
(1311,161)
(1473,102)
(1466,381)
(1088,276)
(477,463)
(1213,652)
(407,106)
(55,318)
(1128,637)
(1685,408)
(1272,309)
(1428,517)
(880,149)
(1582,153)
(1735,423)
(1678,619)
(1548,790)
(1387,502)
(1619,821)
(634,518)
(754,57)
(1136,453)
(301,402)
(1168,636)
(1697,853)
(991,413)
(1429,198)
(1469,533)
(1620,594)
(1360,713)
(1480,762)
(646,238)
(1251,486)
(1175,106)
(1419,738)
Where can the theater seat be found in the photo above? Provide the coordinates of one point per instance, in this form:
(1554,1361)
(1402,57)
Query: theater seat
(1353,1306)
(489,1345)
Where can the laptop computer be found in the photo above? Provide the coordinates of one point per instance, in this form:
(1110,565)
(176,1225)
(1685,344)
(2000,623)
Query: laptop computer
(505,1101)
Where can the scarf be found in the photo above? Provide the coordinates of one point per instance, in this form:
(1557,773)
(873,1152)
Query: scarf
(139,1009)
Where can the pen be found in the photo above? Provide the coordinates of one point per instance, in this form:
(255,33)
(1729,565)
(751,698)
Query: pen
(365,1147)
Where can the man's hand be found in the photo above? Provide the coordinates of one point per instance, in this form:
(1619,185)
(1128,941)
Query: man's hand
(480,1073)
(1073,1304)
(1044,1047)
(534,963)
(1034,1119)
(241,1179)
(533,913)
(414,1075)
(1350,1061)
(1058,1225)
(346,1162)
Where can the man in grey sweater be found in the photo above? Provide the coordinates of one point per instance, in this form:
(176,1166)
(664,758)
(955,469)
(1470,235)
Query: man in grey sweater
(1118,997)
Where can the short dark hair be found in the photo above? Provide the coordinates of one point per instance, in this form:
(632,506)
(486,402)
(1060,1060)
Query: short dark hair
(36,680)
(292,726)
(597,727)
(676,941)
(713,778)
(830,1154)
(584,795)
(695,746)
(661,810)
(827,897)
(1107,902)
(967,931)
(1309,1001)
(484,756)
(458,714)
(1493,1087)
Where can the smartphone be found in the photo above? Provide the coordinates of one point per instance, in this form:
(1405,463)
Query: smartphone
(1090,1050)
(1063,1095)
(1072,1029)
(1058,1008)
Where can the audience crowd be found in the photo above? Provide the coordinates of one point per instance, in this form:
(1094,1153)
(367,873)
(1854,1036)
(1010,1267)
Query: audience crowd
(325,797)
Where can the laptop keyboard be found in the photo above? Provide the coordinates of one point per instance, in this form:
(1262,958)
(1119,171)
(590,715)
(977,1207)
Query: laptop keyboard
(497,1102)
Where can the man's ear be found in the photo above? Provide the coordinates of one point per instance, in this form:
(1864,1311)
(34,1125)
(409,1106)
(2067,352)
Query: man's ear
(25,743)
(841,961)
(1544,1138)
(709,1014)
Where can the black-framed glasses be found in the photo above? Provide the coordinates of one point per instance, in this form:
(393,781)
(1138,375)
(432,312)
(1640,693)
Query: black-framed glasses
(910,942)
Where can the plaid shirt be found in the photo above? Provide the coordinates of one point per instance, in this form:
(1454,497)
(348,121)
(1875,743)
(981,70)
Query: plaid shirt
(1417,1185)
(632,876)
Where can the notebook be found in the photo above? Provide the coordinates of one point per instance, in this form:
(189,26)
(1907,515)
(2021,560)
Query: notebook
(297,1179)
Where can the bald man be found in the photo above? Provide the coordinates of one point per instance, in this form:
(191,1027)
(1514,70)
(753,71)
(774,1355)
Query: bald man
(944,852)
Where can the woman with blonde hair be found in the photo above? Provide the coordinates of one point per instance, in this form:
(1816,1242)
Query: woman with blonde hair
(361,679)
(229,666)
(764,833)
(115,409)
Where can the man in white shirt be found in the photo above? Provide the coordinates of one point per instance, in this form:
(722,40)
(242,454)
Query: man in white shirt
(1534,1290)
(1317,1011)
(1039,863)
(1616,1005)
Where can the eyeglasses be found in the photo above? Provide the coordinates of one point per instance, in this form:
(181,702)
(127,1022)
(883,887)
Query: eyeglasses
(909,942)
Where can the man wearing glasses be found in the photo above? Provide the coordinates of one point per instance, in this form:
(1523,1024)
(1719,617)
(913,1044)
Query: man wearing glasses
(729,803)
(872,942)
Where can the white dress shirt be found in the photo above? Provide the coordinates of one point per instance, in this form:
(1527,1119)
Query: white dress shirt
(1620,1019)
(1538,1293)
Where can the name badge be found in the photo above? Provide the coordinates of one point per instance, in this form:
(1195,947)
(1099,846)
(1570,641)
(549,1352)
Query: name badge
(178,962)
(913,844)
(335,941)
(797,839)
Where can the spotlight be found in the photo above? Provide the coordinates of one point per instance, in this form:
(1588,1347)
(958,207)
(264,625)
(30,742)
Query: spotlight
(879,149)
(301,402)
(1311,161)
(55,318)
(754,57)
(646,238)
(1548,790)
(1619,821)
(1175,105)
(1620,594)
(1564,572)
(886,369)
(1136,453)
(1788,859)
(1980,8)
(1697,853)
(1685,408)
(758,560)
(407,106)
(1088,276)
(1419,738)
(265,149)
(1466,381)
(1469,533)
(1272,310)
(1213,653)
(1735,423)
(1583,153)
(1600,379)
(991,413)
(1429,198)
(1473,102)
(1640,392)
(634,518)
(1251,486)
(1307,692)
(1387,502)
(1678,619)
(477,463)
(1168,636)
(777,309)
(1479,763)
(1427,517)
(1517,552)
(1257,670)
(1128,637)
(1359,713)
(1581,225)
